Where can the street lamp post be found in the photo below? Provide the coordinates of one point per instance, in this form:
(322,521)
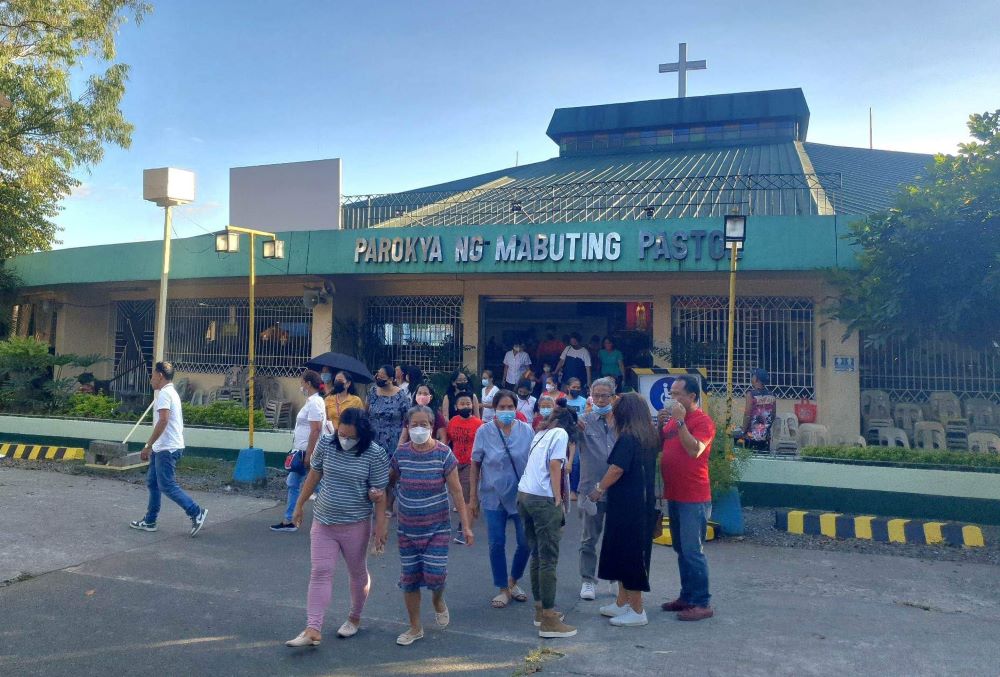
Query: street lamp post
(735,234)
(250,462)
(166,187)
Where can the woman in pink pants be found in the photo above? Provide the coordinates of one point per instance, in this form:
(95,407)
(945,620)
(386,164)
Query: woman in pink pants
(355,472)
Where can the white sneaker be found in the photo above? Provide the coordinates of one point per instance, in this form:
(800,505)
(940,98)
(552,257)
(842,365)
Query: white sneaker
(613,610)
(630,618)
(588,591)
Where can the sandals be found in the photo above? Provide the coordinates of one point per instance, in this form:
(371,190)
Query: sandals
(518,594)
(501,600)
(443,618)
(302,640)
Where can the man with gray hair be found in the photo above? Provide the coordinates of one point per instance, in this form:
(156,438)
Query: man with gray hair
(593,448)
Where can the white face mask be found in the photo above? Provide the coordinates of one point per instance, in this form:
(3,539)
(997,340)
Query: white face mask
(302,389)
(420,435)
(347,443)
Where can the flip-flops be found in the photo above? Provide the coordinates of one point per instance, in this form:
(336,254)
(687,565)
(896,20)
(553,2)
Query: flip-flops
(501,600)
(518,594)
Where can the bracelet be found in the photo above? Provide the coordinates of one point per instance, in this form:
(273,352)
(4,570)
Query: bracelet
(599,488)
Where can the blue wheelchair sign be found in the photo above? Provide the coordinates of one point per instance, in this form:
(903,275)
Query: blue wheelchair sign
(659,392)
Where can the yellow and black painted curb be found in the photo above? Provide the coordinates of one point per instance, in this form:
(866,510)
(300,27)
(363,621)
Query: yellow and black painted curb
(40,452)
(881,529)
(665,539)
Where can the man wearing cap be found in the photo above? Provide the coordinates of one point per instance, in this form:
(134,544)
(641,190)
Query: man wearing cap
(758,416)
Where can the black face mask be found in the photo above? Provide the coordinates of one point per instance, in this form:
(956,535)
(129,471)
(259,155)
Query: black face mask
(462,385)
(338,387)
(523,397)
(381,382)
(464,413)
(574,393)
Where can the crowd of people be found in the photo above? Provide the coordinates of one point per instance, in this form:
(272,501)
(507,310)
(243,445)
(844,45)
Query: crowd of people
(437,463)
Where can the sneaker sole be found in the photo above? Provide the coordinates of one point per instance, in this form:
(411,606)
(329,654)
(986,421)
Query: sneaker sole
(551,634)
(137,528)
(279,531)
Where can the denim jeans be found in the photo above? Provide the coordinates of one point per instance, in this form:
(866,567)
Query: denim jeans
(688,523)
(496,534)
(543,521)
(294,484)
(161,479)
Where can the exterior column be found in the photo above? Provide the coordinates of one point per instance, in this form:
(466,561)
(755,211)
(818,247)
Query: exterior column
(838,393)
(470,326)
(322,327)
(661,325)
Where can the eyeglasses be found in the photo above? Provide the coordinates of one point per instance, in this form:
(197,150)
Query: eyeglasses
(601,396)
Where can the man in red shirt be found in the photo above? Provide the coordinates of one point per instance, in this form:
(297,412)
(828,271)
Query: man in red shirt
(687,433)
(461,436)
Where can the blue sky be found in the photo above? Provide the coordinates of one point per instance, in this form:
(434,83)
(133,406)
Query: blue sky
(415,93)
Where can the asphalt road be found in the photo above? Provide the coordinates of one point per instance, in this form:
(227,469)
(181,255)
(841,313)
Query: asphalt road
(120,602)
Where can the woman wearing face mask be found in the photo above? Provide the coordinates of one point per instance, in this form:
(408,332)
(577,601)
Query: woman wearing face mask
(326,375)
(341,398)
(387,407)
(546,404)
(551,388)
(423,472)
(459,383)
(525,401)
(499,454)
(424,397)
(308,428)
(490,391)
(351,465)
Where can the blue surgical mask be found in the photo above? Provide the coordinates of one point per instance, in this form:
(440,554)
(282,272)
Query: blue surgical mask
(326,377)
(486,382)
(601,411)
(545,411)
(506,417)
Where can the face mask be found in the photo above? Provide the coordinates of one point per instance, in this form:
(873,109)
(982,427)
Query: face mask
(550,387)
(338,387)
(464,413)
(326,378)
(523,397)
(601,411)
(486,382)
(347,443)
(506,417)
(574,393)
(302,389)
(461,385)
(420,435)
(545,411)
(381,382)
(423,400)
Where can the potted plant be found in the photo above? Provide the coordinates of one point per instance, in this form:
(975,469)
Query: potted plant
(725,467)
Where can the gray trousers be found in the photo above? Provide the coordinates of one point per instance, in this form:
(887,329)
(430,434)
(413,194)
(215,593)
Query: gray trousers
(593,527)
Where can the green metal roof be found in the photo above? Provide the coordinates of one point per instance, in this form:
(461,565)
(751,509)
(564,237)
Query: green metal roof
(661,113)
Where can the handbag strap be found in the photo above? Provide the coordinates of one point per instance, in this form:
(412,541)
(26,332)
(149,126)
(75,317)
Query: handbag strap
(510,457)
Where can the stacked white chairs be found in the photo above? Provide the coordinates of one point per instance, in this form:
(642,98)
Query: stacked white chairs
(893,437)
(984,443)
(929,435)
(983,415)
(906,414)
(813,435)
(784,435)
(848,441)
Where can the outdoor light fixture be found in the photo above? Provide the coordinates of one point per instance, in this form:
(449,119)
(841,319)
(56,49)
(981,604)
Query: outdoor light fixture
(649,212)
(515,207)
(227,242)
(736,229)
(274,249)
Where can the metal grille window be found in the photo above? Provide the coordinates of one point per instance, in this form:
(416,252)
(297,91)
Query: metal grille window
(134,322)
(423,331)
(910,372)
(210,335)
(771,332)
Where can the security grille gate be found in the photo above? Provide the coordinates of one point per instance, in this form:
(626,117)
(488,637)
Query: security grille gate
(133,348)
(910,372)
(423,331)
(210,336)
(773,333)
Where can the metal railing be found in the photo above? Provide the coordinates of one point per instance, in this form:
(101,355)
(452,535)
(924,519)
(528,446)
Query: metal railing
(590,201)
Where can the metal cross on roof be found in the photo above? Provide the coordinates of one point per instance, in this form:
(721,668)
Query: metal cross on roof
(681,67)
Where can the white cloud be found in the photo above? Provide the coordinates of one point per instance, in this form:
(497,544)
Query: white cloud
(81,191)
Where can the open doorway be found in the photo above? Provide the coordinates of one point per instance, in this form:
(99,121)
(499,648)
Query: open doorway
(543,325)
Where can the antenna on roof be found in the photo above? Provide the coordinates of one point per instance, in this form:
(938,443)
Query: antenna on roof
(517,157)
(870,146)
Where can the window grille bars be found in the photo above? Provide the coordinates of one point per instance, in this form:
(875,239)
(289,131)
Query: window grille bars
(423,331)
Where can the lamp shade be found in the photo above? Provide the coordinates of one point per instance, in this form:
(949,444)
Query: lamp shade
(736,228)
(274,249)
(227,243)
(168,186)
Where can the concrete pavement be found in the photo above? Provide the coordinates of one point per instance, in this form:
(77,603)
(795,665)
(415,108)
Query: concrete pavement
(224,602)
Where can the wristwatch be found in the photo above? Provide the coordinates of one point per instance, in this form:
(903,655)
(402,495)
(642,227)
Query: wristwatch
(680,424)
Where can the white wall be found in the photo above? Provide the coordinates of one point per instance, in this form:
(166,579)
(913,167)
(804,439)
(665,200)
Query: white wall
(289,196)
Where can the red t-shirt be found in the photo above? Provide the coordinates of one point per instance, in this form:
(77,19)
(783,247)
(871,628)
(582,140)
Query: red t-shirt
(685,479)
(461,435)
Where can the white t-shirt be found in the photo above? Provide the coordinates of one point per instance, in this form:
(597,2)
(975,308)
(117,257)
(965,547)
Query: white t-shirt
(580,353)
(489,392)
(526,407)
(173,435)
(312,410)
(516,364)
(548,445)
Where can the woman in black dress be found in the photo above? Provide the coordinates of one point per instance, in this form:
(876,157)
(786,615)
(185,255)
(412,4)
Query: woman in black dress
(631,492)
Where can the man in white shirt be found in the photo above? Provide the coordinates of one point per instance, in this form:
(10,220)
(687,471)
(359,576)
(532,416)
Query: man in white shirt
(515,363)
(163,450)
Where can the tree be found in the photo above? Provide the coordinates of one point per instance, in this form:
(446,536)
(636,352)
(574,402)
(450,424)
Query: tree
(48,130)
(931,264)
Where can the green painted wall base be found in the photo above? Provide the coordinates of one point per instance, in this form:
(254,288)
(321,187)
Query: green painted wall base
(869,502)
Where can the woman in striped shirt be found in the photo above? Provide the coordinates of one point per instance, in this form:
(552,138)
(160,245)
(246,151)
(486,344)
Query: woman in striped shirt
(423,472)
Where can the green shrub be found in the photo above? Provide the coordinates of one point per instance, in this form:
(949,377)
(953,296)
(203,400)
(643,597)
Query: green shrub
(901,455)
(726,463)
(84,405)
(223,414)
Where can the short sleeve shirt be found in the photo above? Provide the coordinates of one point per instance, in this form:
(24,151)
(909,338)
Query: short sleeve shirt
(685,479)
(548,445)
(609,362)
(313,410)
(347,477)
(461,435)
(173,435)
(498,476)
(526,407)
(516,364)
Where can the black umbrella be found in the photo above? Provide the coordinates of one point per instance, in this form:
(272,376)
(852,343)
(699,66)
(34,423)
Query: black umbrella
(341,362)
